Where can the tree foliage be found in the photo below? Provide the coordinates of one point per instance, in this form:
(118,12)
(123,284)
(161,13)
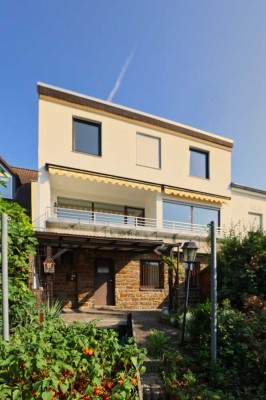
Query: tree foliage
(21,245)
(242,268)
(21,239)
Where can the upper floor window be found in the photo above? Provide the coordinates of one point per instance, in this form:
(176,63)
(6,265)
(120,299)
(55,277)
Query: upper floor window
(99,212)
(87,137)
(148,151)
(199,163)
(6,188)
(255,221)
(189,214)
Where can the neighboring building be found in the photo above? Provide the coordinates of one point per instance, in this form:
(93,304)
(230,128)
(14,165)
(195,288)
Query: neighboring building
(18,184)
(114,184)
(248,208)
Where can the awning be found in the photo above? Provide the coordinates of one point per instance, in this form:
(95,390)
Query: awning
(102,178)
(209,198)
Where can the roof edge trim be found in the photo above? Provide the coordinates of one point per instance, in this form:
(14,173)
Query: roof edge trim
(135,115)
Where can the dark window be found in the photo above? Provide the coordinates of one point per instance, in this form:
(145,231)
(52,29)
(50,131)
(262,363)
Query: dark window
(87,137)
(199,163)
(151,275)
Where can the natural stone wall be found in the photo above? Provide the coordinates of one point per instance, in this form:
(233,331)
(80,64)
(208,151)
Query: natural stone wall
(73,284)
(85,279)
(128,292)
(180,294)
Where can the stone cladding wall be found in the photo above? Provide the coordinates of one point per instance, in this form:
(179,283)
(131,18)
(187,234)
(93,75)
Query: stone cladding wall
(78,292)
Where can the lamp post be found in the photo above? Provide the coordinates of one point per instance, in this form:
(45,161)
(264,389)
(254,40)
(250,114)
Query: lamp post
(189,256)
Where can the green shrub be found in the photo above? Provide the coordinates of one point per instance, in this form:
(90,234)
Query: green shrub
(22,305)
(242,267)
(52,309)
(21,245)
(239,372)
(21,240)
(157,342)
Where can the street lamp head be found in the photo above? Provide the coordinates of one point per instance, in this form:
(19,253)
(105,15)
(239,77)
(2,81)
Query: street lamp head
(189,251)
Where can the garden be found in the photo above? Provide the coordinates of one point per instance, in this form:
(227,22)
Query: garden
(240,370)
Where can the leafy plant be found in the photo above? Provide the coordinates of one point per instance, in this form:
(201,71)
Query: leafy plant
(157,342)
(56,361)
(21,245)
(241,357)
(21,240)
(242,267)
(52,309)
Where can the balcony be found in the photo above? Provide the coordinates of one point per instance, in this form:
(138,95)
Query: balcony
(104,224)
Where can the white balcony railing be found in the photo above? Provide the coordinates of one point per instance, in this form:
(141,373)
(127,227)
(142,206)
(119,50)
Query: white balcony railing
(57,215)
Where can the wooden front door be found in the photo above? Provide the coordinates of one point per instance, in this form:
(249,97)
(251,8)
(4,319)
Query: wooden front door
(104,282)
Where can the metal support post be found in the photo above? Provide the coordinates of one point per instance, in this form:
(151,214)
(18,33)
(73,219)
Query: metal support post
(5,278)
(213,293)
(188,269)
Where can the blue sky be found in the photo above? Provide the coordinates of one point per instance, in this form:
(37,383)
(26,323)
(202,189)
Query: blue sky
(198,62)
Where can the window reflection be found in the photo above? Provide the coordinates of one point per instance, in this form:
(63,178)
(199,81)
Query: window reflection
(189,213)
(199,163)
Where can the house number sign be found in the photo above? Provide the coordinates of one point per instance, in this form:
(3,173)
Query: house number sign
(49,265)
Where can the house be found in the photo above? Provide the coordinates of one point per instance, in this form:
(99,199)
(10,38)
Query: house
(18,184)
(116,183)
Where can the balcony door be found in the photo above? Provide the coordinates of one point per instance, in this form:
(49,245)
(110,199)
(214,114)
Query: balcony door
(104,293)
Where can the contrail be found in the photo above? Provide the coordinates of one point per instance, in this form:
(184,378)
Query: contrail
(121,76)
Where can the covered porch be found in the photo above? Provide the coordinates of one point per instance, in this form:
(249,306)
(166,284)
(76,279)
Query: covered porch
(93,271)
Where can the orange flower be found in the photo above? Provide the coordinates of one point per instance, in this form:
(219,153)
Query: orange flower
(88,351)
(134,381)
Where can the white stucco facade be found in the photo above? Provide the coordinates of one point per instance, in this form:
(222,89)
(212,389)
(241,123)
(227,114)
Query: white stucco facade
(120,159)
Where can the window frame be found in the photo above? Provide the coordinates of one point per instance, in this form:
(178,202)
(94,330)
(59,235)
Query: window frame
(160,277)
(207,162)
(90,123)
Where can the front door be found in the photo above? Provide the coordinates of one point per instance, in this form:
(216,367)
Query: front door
(104,282)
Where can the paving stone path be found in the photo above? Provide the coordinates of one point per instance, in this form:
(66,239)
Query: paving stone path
(143,322)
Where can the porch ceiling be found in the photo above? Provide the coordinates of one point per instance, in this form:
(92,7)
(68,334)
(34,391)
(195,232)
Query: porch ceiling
(96,243)
(91,190)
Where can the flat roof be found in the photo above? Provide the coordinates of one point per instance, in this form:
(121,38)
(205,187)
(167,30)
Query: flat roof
(248,189)
(135,115)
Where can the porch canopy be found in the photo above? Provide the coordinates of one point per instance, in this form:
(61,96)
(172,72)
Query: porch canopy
(69,241)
